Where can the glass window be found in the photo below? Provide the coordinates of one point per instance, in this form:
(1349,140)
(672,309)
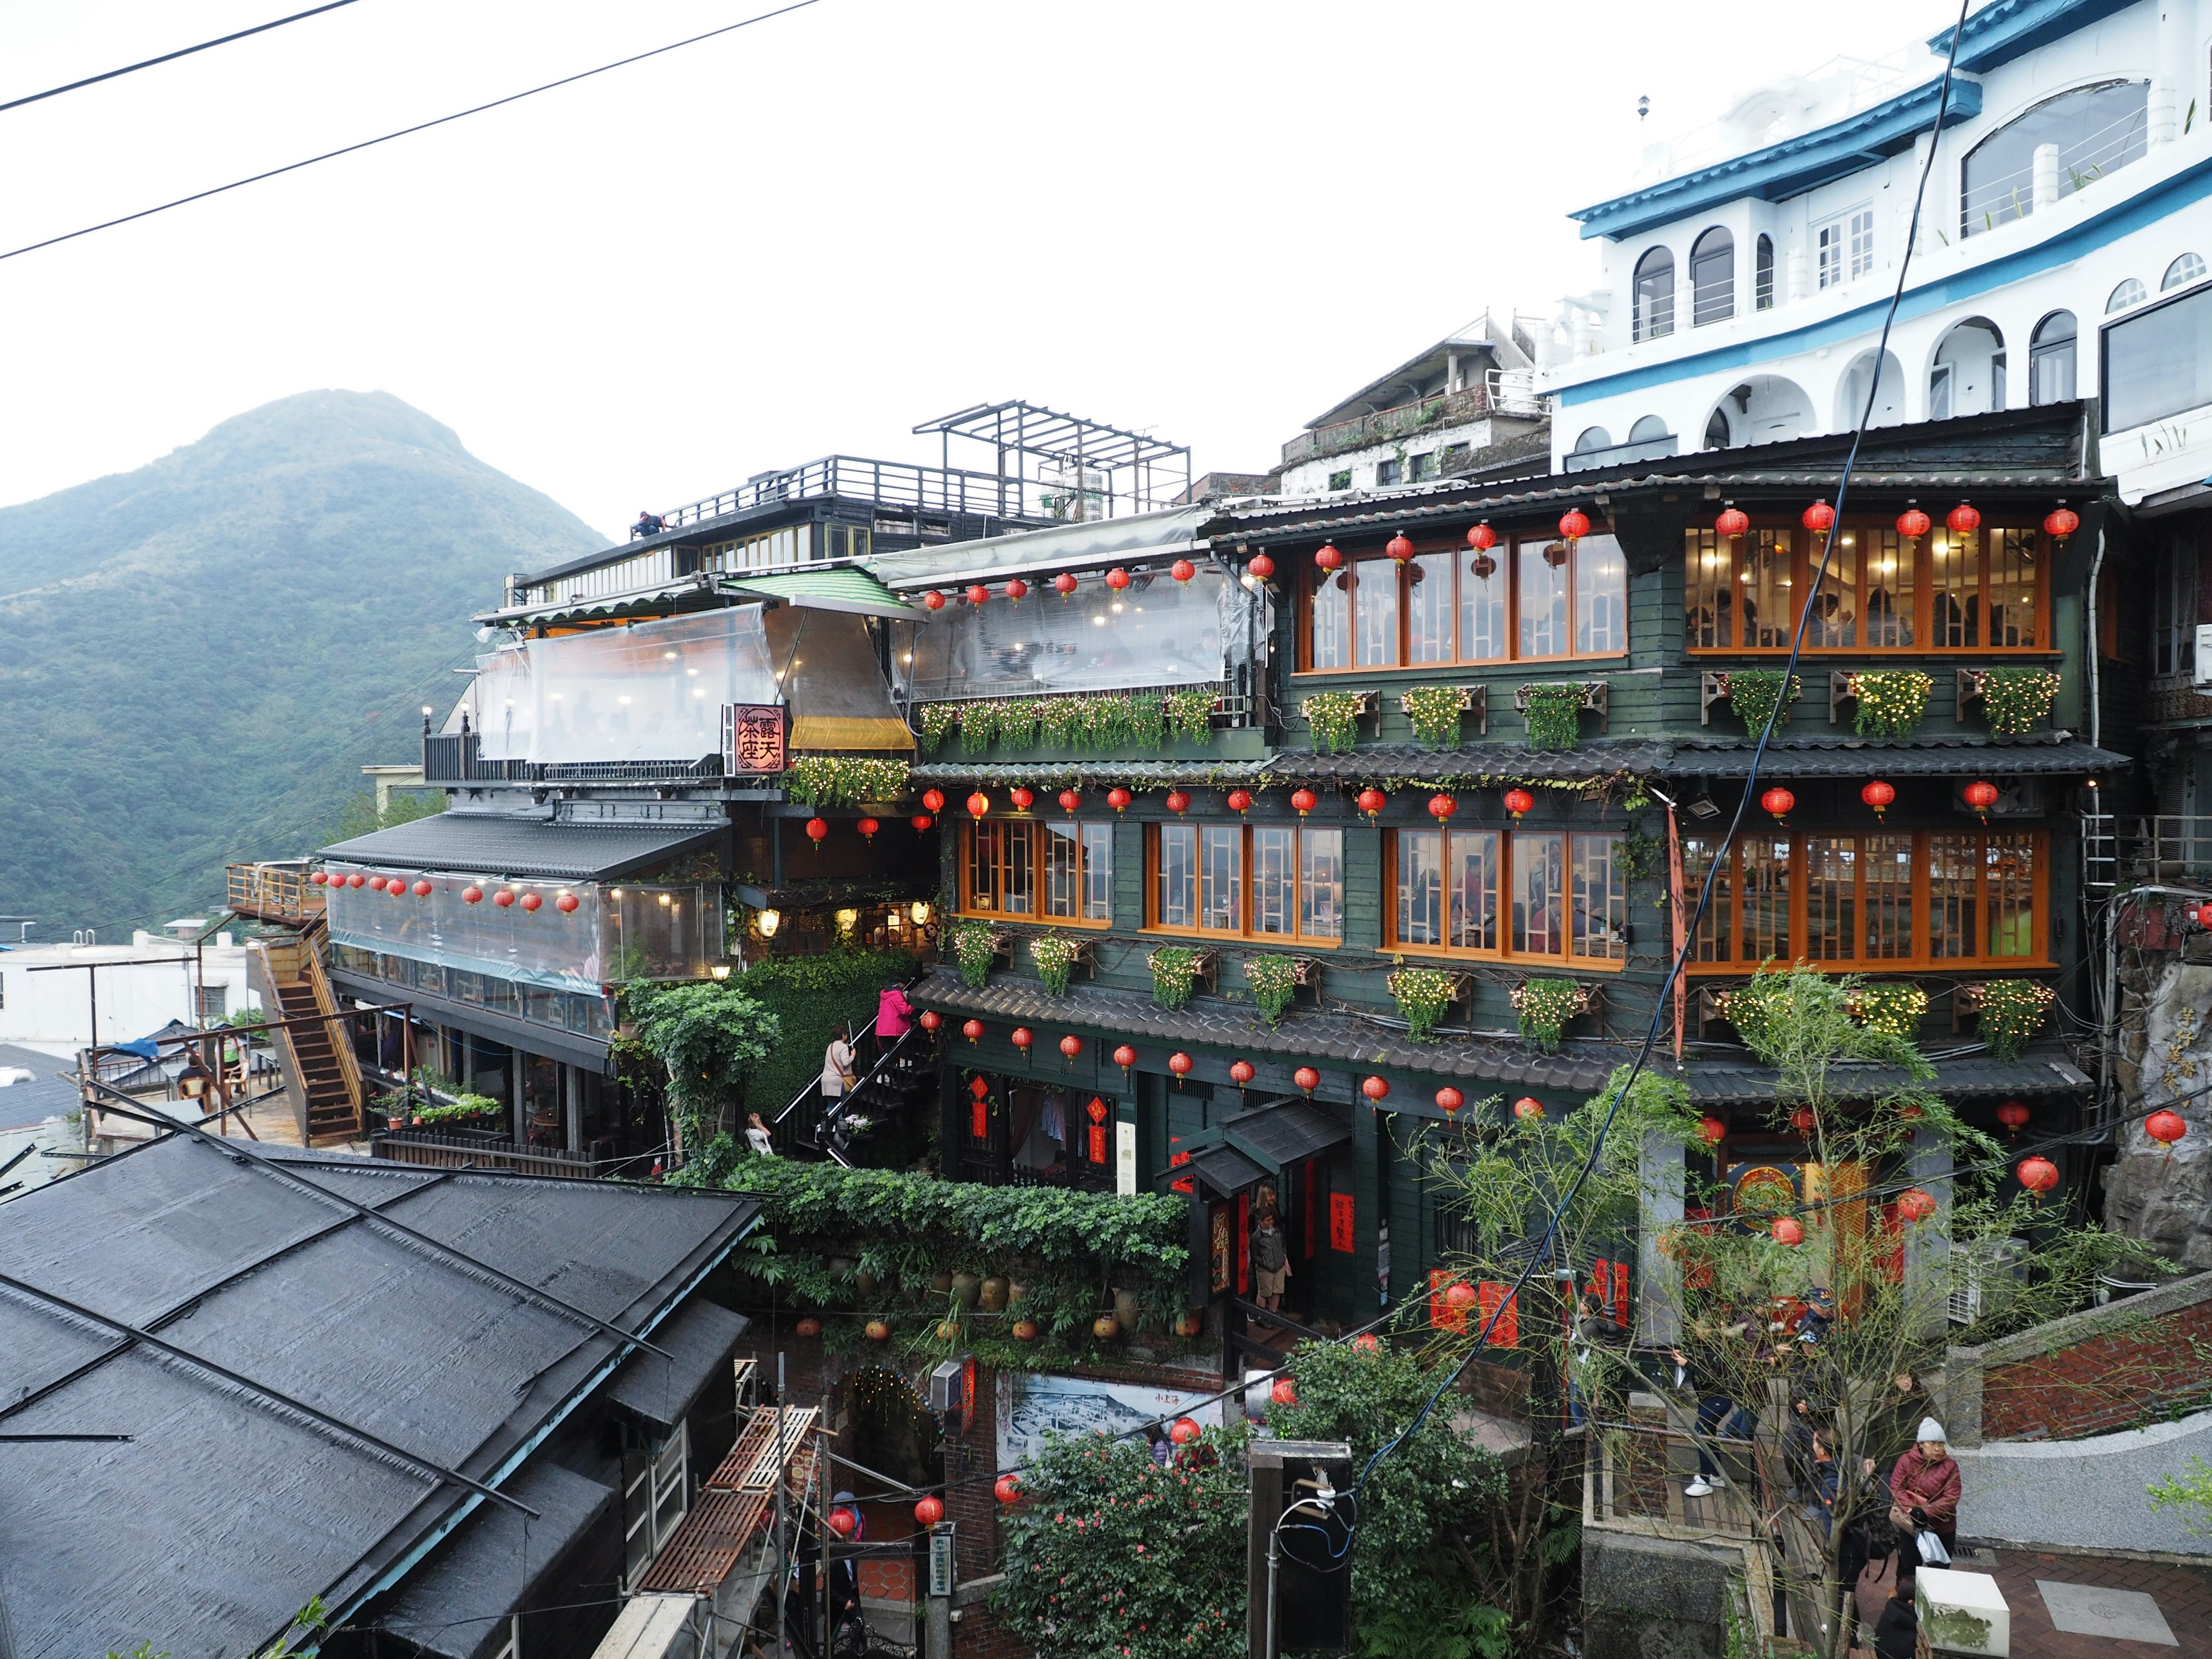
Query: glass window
(1951,894)
(2008,863)
(1652,316)
(2094,129)
(1386,473)
(1320,883)
(2129,293)
(1469,606)
(1843,248)
(1374,613)
(1598,900)
(1009,864)
(1297,879)
(1762,279)
(1763,864)
(2012,587)
(1717,928)
(1538,882)
(1712,277)
(1706,584)
(1601,596)
(1481,607)
(1955,563)
(2187,268)
(2174,607)
(1544,580)
(1429,609)
(1886,567)
(1097,872)
(2051,360)
(1765,617)
(2158,362)
(1420,887)
(1274,879)
(1832,897)
(1001,878)
(1177,905)
(1221,876)
(1063,870)
(1473,866)
(1332,621)
(1888,902)
(1593,438)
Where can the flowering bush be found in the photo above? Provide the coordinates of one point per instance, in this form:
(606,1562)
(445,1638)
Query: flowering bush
(2013,1010)
(1055,955)
(1334,718)
(1434,712)
(1190,713)
(1891,702)
(1555,714)
(2017,700)
(845,780)
(1274,982)
(973,950)
(1894,1007)
(1756,693)
(937,718)
(1423,996)
(1545,1006)
(1175,972)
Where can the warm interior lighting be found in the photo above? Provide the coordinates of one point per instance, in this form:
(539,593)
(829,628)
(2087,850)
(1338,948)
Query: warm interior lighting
(847,920)
(664,898)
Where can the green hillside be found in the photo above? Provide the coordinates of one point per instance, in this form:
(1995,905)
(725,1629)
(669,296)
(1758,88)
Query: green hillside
(198,658)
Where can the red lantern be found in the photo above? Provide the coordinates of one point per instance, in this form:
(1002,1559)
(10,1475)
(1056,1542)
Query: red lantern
(1372,801)
(1376,1088)
(1183,570)
(1912,524)
(1023,798)
(1367,1342)
(1462,1296)
(1070,1046)
(2165,1128)
(1528,1108)
(1069,800)
(929,1020)
(2037,1175)
(531,901)
(1183,1430)
(867,827)
(973,1031)
(1307,1078)
(1450,1100)
(922,821)
(1177,802)
(1877,794)
(1915,1204)
(933,799)
(1963,520)
(933,600)
(1117,579)
(1022,1038)
(1240,800)
(1518,801)
(422,890)
(355,879)
(1125,1057)
(472,895)
(376,884)
(809,1325)
(1064,584)
(929,1511)
(841,1522)
(396,887)
(1803,1121)
(504,898)
(1305,800)
(978,594)
(978,805)
(1261,566)
(1008,1488)
(1787,1231)
(1241,1072)
(1818,517)
(1574,524)
(817,831)
(1482,537)
(2062,522)
(2204,915)
(1711,1130)
(1284,1393)
(2014,1116)
(316,878)
(1399,547)
(1328,558)
(1732,522)
(1018,589)
(1441,807)
(1180,1064)
(567,904)
(1119,799)
(1982,796)
(1778,801)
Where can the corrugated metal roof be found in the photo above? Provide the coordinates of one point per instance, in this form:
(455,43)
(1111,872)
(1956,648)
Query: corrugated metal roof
(1063,547)
(467,844)
(1725,1084)
(841,588)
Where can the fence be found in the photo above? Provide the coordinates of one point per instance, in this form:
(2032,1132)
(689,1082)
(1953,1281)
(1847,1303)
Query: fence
(456,1149)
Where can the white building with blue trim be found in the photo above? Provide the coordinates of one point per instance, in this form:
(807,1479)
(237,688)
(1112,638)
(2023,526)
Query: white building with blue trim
(2063,250)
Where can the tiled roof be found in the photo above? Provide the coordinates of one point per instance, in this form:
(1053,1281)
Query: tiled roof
(1496,760)
(1090,771)
(2053,755)
(1725,1084)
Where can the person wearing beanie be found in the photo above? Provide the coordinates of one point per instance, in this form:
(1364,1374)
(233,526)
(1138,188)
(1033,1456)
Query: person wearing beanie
(1925,1487)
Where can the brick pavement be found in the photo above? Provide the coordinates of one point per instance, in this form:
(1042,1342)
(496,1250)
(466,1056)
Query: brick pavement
(2184,1596)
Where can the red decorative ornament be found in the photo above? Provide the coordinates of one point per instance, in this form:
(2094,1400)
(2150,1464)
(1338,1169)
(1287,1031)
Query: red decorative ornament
(1069,800)
(2014,1116)
(1064,584)
(1818,517)
(531,902)
(1023,798)
(1778,801)
(422,890)
(1008,1489)
(1284,1393)
(1018,589)
(1787,1231)
(1372,801)
(1125,1057)
(1307,1078)
(1305,800)
(922,821)
(2037,1175)
(867,827)
(1376,1088)
(316,878)
(1183,1430)
(396,887)
(978,805)
(1367,1342)
(929,1511)
(841,1523)
(1328,558)
(1528,1108)
(1574,524)
(1400,547)
(1482,537)
(1117,579)
(1711,1130)
(1462,1296)
(1518,801)
(1183,570)
(355,879)
(1915,1204)
(933,600)
(1177,802)
(817,831)
(1241,1072)
(1070,1046)
(1261,566)
(1878,795)
(376,884)
(1022,1038)
(809,1325)
(978,594)
(1912,524)
(504,898)
(1982,796)
(1441,807)
(2062,522)
(1732,522)
(1180,1063)
(1119,799)
(973,1031)
(933,799)
(1450,1100)
(1240,800)
(1802,1121)
(567,904)
(929,1020)
(2165,1128)
(2204,915)
(472,895)
(1963,520)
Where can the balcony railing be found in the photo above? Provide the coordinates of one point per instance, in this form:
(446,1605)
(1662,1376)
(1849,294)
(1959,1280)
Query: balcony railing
(453,1149)
(1451,409)
(457,758)
(889,484)
(273,892)
(2166,847)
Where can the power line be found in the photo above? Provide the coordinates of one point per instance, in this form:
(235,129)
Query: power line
(403,132)
(170,57)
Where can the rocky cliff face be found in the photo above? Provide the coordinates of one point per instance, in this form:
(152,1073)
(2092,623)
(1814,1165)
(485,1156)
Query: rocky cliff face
(2162,1197)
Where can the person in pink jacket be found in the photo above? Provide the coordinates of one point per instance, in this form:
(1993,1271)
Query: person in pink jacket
(894,1017)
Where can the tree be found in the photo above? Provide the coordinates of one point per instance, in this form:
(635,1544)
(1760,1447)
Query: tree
(710,1036)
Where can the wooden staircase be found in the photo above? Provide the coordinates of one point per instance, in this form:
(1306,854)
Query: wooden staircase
(322,1075)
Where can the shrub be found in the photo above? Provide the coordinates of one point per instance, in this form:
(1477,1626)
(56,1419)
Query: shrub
(1333,720)
(1892,702)
(1757,693)
(1175,972)
(1423,996)
(1274,982)
(2018,700)
(1543,1007)
(1555,715)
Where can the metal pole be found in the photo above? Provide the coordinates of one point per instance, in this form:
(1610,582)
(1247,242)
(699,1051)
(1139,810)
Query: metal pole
(782,1554)
(822,1521)
(1274,1563)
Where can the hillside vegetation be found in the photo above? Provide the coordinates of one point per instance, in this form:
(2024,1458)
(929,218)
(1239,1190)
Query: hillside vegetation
(198,658)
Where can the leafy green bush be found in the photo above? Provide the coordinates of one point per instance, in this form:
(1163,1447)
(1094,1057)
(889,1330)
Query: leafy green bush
(1756,693)
(712,1038)
(809,997)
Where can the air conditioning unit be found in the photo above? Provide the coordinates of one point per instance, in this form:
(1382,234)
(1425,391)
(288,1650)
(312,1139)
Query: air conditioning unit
(2202,678)
(1985,1276)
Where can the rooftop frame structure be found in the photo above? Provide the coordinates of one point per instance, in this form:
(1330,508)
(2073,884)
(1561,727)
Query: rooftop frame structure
(1139,471)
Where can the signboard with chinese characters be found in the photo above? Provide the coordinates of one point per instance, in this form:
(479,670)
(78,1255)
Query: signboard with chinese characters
(755,738)
(1342,1235)
(1125,1159)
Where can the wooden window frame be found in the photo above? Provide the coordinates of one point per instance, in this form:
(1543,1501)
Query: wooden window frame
(1565,959)
(1246,933)
(1920,962)
(1507,552)
(1805,559)
(1040,840)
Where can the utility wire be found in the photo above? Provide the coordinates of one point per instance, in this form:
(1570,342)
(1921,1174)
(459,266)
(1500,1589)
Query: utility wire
(170,57)
(403,132)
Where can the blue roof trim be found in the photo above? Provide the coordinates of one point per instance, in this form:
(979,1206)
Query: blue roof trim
(1789,168)
(2191,184)
(1998,33)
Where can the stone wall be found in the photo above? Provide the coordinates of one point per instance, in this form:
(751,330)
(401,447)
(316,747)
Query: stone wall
(2163,1197)
(1658,1598)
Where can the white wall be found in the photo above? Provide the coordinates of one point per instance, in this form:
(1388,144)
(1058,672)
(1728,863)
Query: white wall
(136,997)
(2082,1494)
(1311,477)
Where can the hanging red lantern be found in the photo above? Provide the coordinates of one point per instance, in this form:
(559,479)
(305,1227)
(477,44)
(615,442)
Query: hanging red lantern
(355,879)
(1450,1100)
(1399,547)
(1878,795)
(973,1031)
(1240,800)
(1305,800)
(2037,1175)
(1117,579)
(567,904)
(1372,801)
(1462,1296)
(1284,1393)
(1018,590)
(472,895)
(1023,798)
(1261,566)
(1376,1088)
(1021,1037)
(1070,1046)
(1711,1130)
(1982,796)
(929,1020)
(817,831)
(1803,1120)
(867,827)
(318,879)
(1528,1108)
(929,1511)
(1574,524)
(1182,1431)
(1064,584)
(1328,558)
(841,1522)
(2062,523)
(1125,1057)
(1818,517)
(1733,521)
(1518,801)
(933,600)
(1180,1064)
(2204,915)
(922,821)
(978,805)
(2165,1128)
(1177,802)
(1787,1231)
(1482,537)
(1441,807)
(1069,800)
(933,800)
(504,898)
(1008,1488)
(1963,520)
(1916,1204)
(422,889)
(531,901)
(1778,801)
(1241,1072)
(376,884)
(1367,1342)
(1119,799)
(1307,1078)
(1183,570)
(1912,524)
(2014,1116)
(978,594)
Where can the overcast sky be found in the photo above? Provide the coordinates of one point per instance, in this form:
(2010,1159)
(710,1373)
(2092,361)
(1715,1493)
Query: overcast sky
(1210,219)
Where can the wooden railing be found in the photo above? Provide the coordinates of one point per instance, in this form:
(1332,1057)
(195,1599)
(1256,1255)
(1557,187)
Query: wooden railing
(341,1030)
(453,1150)
(274,892)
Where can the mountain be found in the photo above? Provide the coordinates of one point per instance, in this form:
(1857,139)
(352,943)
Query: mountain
(198,658)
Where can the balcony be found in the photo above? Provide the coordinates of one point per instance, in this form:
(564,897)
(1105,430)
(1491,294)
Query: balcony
(1387,425)
(277,892)
(887,483)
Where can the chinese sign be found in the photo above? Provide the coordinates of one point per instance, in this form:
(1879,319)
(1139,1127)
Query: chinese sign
(1340,1232)
(753,738)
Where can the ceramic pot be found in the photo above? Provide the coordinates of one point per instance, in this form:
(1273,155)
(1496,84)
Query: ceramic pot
(994,1295)
(965,1288)
(1105,1328)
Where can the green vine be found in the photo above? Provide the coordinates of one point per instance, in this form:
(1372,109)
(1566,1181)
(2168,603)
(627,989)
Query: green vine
(973,948)
(1555,714)
(1635,854)
(1106,723)
(1059,722)
(1175,975)
(1433,711)
(1148,721)
(845,780)
(1755,694)
(979,727)
(1274,982)
(937,718)
(1891,702)
(2018,700)
(2013,1010)
(1055,956)
(1423,996)
(1543,1007)
(1334,718)
(1190,713)
(1019,719)
(1892,1006)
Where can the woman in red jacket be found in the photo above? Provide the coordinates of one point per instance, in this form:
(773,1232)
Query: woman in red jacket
(1924,1488)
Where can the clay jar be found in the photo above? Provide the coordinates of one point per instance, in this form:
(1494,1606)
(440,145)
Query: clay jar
(942,1283)
(965,1288)
(995,1294)
(1105,1328)
(1126,1309)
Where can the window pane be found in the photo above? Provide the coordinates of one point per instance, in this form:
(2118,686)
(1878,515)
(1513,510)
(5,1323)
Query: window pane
(1274,851)
(2009,862)
(1481,607)
(1765,865)
(1221,872)
(1601,596)
(1886,863)
(1539,876)
(1420,887)
(1831,865)
(1958,582)
(1016,875)
(1707,585)
(1428,619)
(1600,900)
(1178,876)
(1887,565)
(2159,362)
(1544,598)
(1835,619)
(1098,872)
(1374,613)
(1762,588)
(1320,883)
(1717,930)
(1332,621)
(1063,870)
(983,866)
(1951,881)
(1474,889)
(2011,587)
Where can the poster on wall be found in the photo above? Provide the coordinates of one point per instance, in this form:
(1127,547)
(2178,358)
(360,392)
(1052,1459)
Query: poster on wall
(1041,1406)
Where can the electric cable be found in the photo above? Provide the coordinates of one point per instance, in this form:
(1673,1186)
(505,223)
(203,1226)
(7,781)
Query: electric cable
(403,132)
(169,57)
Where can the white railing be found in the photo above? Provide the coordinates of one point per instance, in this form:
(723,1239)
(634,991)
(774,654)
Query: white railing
(1993,202)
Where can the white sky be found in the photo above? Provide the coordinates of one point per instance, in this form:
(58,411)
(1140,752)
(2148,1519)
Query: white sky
(1211,220)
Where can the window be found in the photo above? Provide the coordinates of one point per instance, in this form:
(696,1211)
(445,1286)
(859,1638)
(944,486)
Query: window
(2129,293)
(2084,133)
(2159,361)
(1649,428)
(1652,306)
(1541,598)
(1341,480)
(1712,278)
(1878,901)
(1053,869)
(1517,894)
(654,1498)
(2189,268)
(1418,467)
(1968,375)
(2051,360)
(214,1005)
(1762,274)
(1980,592)
(1387,473)
(1593,438)
(1252,880)
(1844,247)
(2173,601)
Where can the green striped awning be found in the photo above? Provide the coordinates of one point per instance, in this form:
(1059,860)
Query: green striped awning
(840,589)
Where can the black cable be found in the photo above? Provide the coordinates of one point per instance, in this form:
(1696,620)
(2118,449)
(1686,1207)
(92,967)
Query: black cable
(170,57)
(420,126)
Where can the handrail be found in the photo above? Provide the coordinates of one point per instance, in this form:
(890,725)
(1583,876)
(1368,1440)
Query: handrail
(336,1024)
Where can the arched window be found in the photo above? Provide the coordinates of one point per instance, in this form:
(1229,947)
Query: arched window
(1716,430)
(2092,129)
(1888,406)
(1712,278)
(1646,430)
(2189,268)
(2130,293)
(1762,274)
(1593,437)
(2051,360)
(1654,302)
(1967,376)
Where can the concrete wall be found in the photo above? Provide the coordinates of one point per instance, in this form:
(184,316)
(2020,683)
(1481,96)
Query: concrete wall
(2083,1494)
(137,996)
(1657,1598)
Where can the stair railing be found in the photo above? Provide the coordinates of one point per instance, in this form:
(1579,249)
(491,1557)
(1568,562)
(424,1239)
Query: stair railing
(340,1027)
